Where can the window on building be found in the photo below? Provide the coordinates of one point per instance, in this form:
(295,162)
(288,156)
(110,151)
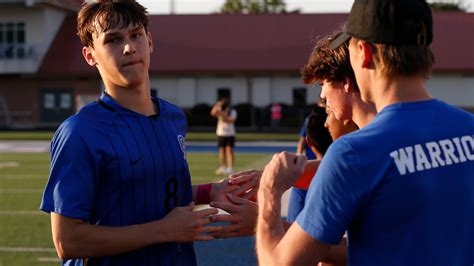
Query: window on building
(299,96)
(12,40)
(65,100)
(223,93)
(48,101)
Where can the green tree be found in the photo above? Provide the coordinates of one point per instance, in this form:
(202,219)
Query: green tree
(254,7)
(232,7)
(447,5)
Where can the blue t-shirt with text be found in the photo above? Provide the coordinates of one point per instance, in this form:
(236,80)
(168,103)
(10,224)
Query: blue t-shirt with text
(402,187)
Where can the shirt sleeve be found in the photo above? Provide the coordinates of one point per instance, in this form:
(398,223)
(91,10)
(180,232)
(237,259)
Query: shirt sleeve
(70,188)
(334,196)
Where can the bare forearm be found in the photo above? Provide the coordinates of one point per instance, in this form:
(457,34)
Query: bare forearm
(300,146)
(270,227)
(76,239)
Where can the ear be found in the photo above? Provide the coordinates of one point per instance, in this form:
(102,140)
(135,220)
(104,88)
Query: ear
(150,42)
(367,54)
(347,85)
(87,54)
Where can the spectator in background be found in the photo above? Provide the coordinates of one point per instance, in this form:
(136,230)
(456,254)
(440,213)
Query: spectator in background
(302,146)
(226,116)
(276,115)
(318,139)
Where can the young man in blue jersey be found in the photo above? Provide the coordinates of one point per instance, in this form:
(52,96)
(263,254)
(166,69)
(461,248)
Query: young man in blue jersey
(402,186)
(119,191)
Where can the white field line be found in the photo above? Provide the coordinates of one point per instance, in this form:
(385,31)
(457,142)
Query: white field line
(20,190)
(9,164)
(23,177)
(18,213)
(26,249)
(47,259)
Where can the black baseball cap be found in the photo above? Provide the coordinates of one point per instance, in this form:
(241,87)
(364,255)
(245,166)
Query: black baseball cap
(394,22)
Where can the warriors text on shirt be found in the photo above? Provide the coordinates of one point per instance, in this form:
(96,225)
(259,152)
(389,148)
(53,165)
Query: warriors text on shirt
(434,154)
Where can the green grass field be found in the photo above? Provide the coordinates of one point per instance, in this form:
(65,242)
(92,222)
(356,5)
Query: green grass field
(25,233)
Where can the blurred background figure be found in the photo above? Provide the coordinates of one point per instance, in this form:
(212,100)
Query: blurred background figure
(276,115)
(226,116)
(302,147)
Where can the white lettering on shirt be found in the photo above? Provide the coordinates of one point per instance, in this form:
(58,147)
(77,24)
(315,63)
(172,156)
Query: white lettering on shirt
(441,153)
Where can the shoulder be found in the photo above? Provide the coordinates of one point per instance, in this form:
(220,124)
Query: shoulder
(86,123)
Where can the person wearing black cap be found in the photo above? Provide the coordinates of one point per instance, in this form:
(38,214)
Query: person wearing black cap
(403,186)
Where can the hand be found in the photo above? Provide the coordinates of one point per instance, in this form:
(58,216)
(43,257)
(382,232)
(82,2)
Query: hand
(186,225)
(248,181)
(220,189)
(282,171)
(242,217)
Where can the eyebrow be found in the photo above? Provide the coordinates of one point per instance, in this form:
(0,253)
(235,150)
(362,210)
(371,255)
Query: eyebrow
(114,33)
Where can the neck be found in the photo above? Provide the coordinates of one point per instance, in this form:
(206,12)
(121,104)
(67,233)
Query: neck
(398,89)
(362,112)
(137,99)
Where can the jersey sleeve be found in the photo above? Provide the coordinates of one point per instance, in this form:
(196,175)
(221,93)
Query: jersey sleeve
(334,196)
(70,188)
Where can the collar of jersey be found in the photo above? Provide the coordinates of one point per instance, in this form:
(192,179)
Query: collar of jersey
(113,105)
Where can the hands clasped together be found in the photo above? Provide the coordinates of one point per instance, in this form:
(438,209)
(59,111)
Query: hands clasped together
(236,195)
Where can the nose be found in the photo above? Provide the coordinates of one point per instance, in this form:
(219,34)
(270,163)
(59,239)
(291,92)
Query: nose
(129,48)
(323,93)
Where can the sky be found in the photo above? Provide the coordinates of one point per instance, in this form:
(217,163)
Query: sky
(306,6)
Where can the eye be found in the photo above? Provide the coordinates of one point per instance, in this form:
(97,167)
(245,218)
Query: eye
(136,35)
(112,40)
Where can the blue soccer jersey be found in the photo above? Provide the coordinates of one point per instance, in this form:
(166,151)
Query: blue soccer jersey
(403,188)
(113,167)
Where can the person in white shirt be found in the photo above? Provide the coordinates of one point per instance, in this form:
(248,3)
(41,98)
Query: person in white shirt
(226,116)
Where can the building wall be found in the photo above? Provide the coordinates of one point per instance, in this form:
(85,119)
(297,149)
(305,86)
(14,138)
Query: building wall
(23,97)
(41,26)
(259,91)
(454,89)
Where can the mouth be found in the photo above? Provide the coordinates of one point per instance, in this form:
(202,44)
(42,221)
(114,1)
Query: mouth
(131,63)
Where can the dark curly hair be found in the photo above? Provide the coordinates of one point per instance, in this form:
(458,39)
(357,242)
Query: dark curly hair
(327,64)
(108,14)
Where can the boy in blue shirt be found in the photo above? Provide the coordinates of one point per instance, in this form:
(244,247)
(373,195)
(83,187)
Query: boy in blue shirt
(119,191)
(402,186)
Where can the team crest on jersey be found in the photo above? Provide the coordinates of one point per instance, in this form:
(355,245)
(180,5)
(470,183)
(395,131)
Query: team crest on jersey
(181,141)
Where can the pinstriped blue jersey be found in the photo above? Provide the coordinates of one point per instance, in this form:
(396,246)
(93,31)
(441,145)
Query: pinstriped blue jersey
(111,166)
